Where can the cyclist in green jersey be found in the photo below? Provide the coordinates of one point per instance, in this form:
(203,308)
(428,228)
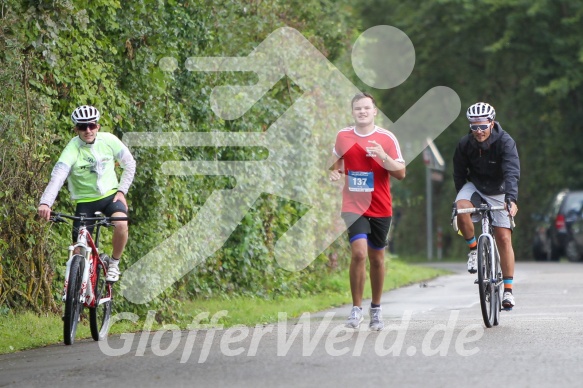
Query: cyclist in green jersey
(88,164)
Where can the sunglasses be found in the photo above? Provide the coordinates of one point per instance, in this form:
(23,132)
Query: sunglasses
(84,127)
(479,127)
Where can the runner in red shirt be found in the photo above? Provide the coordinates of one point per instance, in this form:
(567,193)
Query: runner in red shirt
(367,156)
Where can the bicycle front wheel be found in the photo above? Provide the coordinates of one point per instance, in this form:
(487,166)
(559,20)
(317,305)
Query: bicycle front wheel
(485,278)
(73,305)
(497,288)
(100,314)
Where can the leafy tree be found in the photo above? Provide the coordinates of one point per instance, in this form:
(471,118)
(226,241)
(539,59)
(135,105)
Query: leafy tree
(523,57)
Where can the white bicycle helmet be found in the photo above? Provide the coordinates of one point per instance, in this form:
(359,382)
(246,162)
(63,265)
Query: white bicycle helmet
(85,114)
(480,111)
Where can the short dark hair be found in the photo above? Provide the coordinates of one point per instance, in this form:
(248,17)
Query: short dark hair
(360,96)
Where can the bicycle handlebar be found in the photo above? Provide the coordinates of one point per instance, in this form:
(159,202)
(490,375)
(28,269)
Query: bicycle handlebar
(58,217)
(479,209)
(483,209)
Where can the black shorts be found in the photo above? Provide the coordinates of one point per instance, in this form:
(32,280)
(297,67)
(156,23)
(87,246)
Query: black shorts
(104,205)
(374,229)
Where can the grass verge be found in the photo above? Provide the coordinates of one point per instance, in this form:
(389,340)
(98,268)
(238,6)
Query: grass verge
(29,330)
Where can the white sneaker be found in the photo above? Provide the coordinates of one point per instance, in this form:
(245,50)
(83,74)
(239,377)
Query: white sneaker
(113,271)
(473,261)
(508,300)
(376,319)
(355,318)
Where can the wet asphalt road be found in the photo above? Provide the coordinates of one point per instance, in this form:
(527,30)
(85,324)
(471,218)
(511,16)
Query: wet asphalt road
(435,337)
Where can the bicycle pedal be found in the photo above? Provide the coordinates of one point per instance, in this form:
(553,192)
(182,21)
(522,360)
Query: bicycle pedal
(507,308)
(476,281)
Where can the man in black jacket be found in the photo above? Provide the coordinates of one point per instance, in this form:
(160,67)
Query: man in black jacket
(486,167)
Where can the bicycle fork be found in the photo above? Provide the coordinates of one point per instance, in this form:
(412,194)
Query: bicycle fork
(496,278)
(498,274)
(86,292)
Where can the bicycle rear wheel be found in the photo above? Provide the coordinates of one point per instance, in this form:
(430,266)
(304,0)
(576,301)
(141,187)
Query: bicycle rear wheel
(73,305)
(486,288)
(100,314)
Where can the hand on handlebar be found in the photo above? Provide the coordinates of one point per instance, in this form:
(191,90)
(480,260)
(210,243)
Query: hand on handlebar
(44,212)
(511,207)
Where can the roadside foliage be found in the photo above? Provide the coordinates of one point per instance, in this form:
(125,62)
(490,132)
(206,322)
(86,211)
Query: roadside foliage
(55,56)
(525,57)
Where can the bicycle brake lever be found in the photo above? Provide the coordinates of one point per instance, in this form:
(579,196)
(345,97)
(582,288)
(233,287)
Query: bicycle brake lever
(508,207)
(56,218)
(453,212)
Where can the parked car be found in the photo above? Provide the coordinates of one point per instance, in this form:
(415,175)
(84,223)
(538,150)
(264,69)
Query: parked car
(559,227)
(574,247)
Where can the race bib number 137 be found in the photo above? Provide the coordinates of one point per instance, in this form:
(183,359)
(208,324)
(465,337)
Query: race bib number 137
(360,181)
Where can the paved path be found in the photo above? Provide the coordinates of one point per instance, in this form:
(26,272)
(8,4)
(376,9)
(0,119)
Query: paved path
(435,337)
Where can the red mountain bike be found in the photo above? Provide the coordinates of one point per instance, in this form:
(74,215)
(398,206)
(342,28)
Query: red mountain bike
(85,284)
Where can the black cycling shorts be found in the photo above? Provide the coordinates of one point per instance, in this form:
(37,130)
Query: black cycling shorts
(374,229)
(104,205)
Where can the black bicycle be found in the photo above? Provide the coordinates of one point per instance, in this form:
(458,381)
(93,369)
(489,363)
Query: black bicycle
(85,284)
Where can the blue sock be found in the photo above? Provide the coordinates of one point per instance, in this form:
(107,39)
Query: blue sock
(472,243)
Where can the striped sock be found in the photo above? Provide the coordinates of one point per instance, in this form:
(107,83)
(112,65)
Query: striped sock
(472,243)
(508,283)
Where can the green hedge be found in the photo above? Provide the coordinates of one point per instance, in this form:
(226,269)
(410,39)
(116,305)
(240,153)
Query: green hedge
(57,55)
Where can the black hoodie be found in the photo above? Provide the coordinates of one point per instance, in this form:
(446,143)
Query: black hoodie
(492,166)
